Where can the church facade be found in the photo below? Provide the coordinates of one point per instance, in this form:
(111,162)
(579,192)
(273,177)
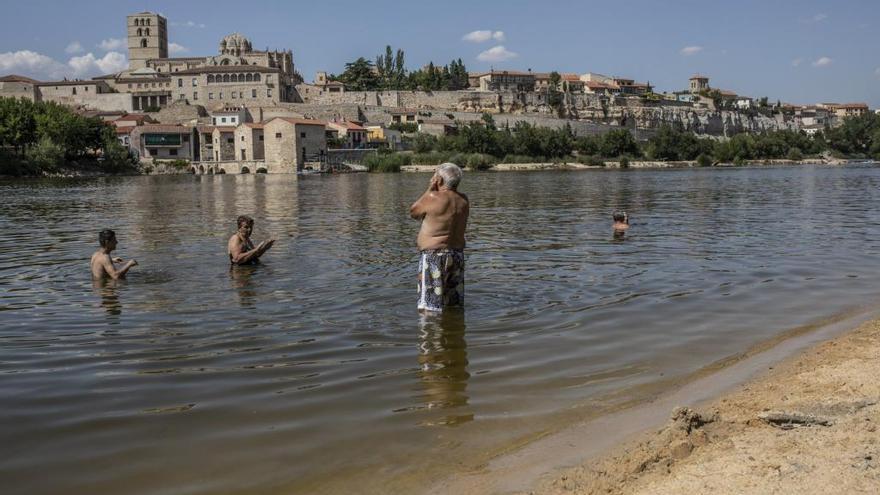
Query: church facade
(237,75)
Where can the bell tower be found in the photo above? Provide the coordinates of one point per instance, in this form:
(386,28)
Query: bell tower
(147,38)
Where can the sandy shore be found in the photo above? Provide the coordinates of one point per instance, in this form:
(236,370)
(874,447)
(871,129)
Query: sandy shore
(807,426)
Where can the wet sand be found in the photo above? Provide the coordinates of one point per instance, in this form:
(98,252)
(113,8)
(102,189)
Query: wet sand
(799,415)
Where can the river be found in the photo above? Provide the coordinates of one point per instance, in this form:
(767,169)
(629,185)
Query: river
(315,373)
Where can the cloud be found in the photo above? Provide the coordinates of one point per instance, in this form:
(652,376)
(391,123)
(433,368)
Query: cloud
(74,47)
(174,48)
(822,62)
(39,66)
(819,17)
(28,63)
(89,65)
(691,50)
(189,24)
(486,35)
(496,54)
(111,44)
(796,62)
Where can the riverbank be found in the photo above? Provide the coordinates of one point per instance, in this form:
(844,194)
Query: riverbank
(508,167)
(809,425)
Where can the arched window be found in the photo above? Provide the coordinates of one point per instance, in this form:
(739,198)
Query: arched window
(225,61)
(140,32)
(210,78)
(147,32)
(257,77)
(148,22)
(225,77)
(137,22)
(249,77)
(143,43)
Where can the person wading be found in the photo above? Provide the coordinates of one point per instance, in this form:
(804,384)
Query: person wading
(443,212)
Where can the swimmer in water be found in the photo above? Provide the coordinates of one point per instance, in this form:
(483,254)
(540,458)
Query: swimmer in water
(621,221)
(240,247)
(102,264)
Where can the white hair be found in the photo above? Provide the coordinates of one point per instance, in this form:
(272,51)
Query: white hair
(451,174)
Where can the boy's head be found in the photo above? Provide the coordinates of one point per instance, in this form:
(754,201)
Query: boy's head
(620,217)
(245,225)
(107,239)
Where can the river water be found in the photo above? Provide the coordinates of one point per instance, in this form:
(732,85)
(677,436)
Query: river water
(315,373)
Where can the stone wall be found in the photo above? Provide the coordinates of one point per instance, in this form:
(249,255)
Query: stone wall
(180,113)
(18,89)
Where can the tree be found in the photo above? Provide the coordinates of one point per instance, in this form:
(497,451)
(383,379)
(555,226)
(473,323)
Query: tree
(554,96)
(618,142)
(360,76)
(390,70)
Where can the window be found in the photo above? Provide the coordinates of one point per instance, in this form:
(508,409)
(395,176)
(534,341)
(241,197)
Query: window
(242,138)
(172,152)
(148,22)
(143,43)
(195,95)
(233,95)
(277,135)
(221,95)
(253,93)
(180,83)
(129,85)
(139,85)
(194,80)
(230,141)
(302,134)
(185,138)
(241,94)
(269,93)
(210,96)
(223,119)
(182,96)
(147,32)
(74,90)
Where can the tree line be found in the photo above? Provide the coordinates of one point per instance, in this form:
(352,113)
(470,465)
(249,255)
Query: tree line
(389,73)
(38,137)
(483,143)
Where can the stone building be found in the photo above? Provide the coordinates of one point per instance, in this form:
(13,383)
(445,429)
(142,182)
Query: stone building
(13,86)
(292,145)
(237,75)
(699,83)
(354,134)
(249,142)
(162,142)
(507,80)
(223,138)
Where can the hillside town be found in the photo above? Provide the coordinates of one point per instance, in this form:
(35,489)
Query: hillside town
(244,110)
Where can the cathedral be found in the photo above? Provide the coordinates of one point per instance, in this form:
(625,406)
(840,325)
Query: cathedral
(238,75)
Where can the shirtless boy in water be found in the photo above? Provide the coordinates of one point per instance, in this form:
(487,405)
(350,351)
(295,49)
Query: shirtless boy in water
(621,221)
(240,247)
(102,264)
(443,212)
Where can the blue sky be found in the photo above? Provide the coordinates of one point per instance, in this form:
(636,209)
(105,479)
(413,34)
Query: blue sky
(797,51)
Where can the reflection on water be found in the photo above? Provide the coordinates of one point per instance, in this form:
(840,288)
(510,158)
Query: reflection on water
(107,290)
(443,366)
(329,381)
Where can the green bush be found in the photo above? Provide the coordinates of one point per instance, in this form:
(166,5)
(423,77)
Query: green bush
(591,160)
(523,159)
(480,161)
(795,154)
(704,161)
(624,162)
(387,162)
(45,155)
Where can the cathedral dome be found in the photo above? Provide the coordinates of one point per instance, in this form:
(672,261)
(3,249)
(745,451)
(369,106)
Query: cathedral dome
(235,44)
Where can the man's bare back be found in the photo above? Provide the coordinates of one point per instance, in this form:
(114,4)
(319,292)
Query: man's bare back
(444,214)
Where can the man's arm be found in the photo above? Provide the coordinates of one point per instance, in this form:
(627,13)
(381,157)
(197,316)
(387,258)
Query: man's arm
(111,270)
(240,257)
(419,209)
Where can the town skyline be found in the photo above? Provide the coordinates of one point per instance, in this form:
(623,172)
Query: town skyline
(504,40)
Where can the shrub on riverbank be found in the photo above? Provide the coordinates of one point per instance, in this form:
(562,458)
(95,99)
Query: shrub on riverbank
(387,162)
(42,137)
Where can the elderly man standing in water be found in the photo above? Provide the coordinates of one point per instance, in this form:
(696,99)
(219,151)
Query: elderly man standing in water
(444,215)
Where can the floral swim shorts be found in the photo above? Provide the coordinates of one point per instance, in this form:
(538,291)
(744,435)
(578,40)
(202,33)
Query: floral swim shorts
(441,279)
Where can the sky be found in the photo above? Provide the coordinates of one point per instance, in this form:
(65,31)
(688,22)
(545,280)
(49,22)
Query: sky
(796,51)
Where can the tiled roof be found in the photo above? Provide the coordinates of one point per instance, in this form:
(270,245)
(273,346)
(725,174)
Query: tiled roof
(351,126)
(17,78)
(298,121)
(224,128)
(225,68)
